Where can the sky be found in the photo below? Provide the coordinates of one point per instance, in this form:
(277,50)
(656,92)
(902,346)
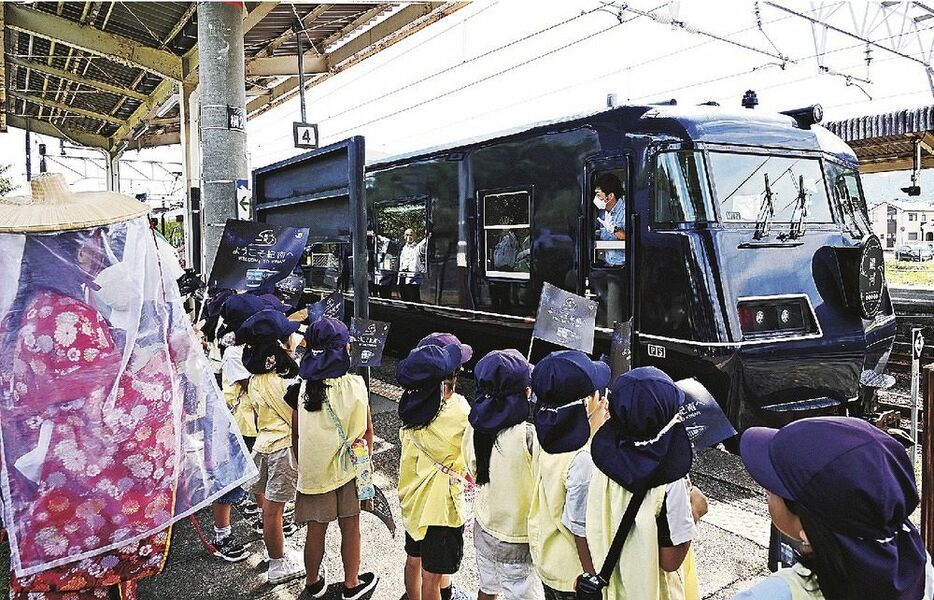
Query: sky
(496,65)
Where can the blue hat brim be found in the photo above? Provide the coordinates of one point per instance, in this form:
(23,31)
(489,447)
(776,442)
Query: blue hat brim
(755,450)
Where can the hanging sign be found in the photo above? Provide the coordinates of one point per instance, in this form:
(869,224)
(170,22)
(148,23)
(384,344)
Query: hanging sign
(565,319)
(305,135)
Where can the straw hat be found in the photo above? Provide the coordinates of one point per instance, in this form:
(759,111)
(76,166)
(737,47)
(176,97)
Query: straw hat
(53,207)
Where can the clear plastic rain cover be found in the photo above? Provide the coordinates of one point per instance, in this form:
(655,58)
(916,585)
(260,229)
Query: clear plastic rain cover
(112,424)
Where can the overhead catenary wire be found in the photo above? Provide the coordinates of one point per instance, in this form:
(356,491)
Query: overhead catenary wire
(711,39)
(602,76)
(461,64)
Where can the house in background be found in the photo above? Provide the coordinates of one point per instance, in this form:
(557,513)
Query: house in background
(899,222)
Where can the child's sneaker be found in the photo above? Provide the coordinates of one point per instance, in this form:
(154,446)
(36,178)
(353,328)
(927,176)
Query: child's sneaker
(289,529)
(367,584)
(319,588)
(227,549)
(284,569)
(258,526)
(289,510)
(249,508)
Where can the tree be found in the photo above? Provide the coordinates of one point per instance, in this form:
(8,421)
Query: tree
(6,186)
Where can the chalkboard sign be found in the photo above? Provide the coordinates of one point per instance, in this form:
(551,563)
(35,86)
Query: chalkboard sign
(565,319)
(367,340)
(704,420)
(331,306)
(253,255)
(621,349)
(291,288)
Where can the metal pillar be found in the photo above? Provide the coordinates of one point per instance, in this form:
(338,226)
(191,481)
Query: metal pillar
(112,170)
(191,172)
(28,152)
(223,149)
(299,32)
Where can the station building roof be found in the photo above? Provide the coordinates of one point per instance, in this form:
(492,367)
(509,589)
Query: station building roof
(885,142)
(107,74)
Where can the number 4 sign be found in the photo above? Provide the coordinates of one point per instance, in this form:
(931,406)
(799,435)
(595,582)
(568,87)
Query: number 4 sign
(305,135)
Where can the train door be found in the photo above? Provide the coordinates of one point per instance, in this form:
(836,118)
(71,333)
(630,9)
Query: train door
(606,228)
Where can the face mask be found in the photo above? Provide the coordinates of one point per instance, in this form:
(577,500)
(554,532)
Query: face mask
(599,203)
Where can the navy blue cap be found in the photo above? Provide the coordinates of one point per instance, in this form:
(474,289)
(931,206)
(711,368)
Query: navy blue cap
(216,299)
(326,354)
(859,483)
(237,309)
(503,376)
(421,374)
(267,324)
(644,443)
(446,339)
(275,303)
(560,381)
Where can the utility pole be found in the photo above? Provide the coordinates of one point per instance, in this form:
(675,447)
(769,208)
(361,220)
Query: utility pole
(28,152)
(223,117)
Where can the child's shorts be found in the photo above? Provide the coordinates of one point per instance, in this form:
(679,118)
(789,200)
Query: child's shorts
(505,568)
(278,475)
(441,550)
(329,506)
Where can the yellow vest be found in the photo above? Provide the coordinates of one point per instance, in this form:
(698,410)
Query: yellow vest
(554,553)
(681,584)
(323,463)
(238,400)
(801,581)
(427,495)
(501,506)
(274,416)
(637,573)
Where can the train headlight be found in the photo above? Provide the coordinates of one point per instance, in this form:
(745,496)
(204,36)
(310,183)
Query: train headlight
(765,317)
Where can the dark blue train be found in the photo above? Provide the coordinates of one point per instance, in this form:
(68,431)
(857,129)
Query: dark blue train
(737,242)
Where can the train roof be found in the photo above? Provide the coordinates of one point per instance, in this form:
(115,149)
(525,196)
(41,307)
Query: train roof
(710,124)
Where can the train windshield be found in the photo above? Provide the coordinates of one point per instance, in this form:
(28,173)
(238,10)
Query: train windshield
(745,184)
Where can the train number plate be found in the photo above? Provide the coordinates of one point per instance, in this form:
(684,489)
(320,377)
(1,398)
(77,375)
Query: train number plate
(656,351)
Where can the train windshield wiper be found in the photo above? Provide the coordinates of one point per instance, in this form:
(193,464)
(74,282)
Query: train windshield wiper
(796,229)
(849,207)
(766,211)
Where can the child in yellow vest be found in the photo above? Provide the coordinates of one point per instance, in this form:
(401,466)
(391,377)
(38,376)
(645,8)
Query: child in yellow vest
(432,468)
(333,411)
(567,387)
(235,310)
(638,452)
(497,445)
(843,490)
(272,365)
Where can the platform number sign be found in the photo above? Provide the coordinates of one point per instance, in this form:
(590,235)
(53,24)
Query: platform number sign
(917,344)
(305,135)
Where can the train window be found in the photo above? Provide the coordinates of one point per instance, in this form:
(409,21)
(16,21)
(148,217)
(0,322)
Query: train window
(745,183)
(681,192)
(400,248)
(507,234)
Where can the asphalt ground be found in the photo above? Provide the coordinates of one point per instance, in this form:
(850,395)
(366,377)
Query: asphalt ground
(731,549)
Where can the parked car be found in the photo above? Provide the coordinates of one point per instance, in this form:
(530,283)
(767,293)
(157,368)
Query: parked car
(916,252)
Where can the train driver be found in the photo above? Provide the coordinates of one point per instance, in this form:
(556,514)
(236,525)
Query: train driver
(611,216)
(412,269)
(610,200)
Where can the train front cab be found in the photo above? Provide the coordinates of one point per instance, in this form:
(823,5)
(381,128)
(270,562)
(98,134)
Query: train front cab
(762,308)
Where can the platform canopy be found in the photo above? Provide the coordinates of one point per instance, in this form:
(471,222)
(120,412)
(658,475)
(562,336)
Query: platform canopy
(886,142)
(108,74)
